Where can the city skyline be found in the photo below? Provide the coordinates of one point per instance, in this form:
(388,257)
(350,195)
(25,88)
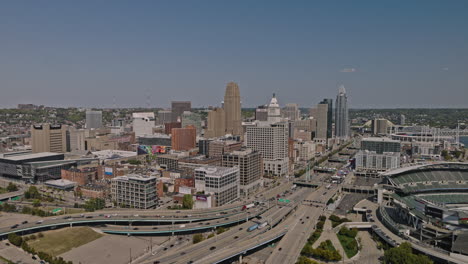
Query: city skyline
(396,55)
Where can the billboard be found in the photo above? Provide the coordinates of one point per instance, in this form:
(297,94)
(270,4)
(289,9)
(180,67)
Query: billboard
(108,171)
(151,150)
(201,198)
(185,190)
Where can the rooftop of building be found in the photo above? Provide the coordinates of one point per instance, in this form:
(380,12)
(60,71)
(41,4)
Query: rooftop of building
(135,177)
(380,139)
(60,183)
(113,154)
(143,115)
(217,170)
(18,156)
(157,135)
(197,158)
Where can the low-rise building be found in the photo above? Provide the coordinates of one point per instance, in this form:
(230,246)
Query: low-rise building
(134,191)
(221,182)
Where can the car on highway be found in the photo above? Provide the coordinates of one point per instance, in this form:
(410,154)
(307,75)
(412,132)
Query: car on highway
(212,248)
(89,216)
(14,226)
(39,221)
(24,222)
(236,237)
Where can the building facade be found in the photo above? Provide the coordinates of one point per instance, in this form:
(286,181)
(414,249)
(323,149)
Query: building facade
(164,116)
(192,119)
(250,165)
(271,141)
(370,160)
(143,124)
(216,123)
(49,138)
(274,111)
(232,109)
(380,145)
(178,108)
(93,119)
(184,138)
(291,112)
(134,191)
(221,182)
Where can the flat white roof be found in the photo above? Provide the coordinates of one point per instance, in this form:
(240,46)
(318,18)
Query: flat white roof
(60,182)
(143,115)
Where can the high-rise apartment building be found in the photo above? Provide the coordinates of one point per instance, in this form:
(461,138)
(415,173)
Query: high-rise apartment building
(164,116)
(134,191)
(274,111)
(341,115)
(222,182)
(272,143)
(291,112)
(250,165)
(93,119)
(216,123)
(232,109)
(178,108)
(49,138)
(380,145)
(143,123)
(329,103)
(184,138)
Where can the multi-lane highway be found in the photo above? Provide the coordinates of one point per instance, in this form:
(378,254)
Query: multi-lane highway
(235,236)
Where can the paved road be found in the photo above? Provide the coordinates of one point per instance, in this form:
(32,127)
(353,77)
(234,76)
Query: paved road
(235,236)
(291,244)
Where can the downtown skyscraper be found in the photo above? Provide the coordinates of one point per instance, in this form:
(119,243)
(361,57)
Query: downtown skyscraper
(232,109)
(341,114)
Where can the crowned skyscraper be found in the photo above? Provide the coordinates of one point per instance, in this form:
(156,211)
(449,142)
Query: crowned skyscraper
(232,109)
(341,114)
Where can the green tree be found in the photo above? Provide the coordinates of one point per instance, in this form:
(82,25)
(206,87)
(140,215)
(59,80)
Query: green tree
(36,203)
(305,260)
(32,193)
(187,202)
(12,187)
(197,238)
(403,254)
(15,239)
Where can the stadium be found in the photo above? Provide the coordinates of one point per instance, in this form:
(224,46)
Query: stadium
(428,203)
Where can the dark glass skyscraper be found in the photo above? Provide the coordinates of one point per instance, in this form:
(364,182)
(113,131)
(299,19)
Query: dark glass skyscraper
(341,114)
(329,102)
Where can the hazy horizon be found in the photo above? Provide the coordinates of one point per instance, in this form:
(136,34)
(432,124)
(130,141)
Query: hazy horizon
(388,55)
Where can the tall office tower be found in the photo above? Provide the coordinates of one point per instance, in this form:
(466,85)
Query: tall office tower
(77,139)
(274,111)
(93,119)
(341,114)
(184,138)
(169,126)
(49,138)
(179,107)
(216,123)
(291,112)
(232,109)
(192,119)
(320,114)
(379,126)
(261,113)
(250,164)
(134,191)
(222,182)
(164,116)
(329,103)
(143,124)
(272,142)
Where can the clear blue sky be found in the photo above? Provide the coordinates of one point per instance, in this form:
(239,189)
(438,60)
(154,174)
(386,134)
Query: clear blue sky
(86,53)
